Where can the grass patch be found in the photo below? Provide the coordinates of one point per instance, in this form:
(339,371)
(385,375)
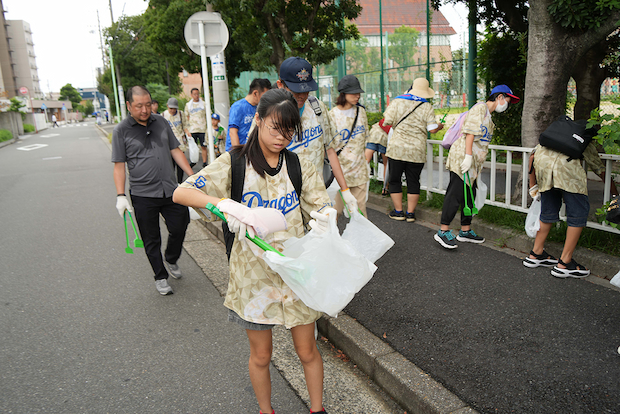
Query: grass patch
(28,128)
(110,137)
(5,135)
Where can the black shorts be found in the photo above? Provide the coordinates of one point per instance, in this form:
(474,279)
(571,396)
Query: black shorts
(200,137)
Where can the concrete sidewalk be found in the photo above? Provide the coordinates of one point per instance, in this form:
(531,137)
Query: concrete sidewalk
(378,328)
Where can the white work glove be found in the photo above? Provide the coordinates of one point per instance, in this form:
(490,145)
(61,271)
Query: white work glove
(320,224)
(238,227)
(466,164)
(122,204)
(236,217)
(350,201)
(534,191)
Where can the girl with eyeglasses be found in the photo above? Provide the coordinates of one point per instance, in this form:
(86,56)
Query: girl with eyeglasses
(257,298)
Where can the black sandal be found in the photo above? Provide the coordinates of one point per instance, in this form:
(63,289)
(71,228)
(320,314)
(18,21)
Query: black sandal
(573,269)
(541,260)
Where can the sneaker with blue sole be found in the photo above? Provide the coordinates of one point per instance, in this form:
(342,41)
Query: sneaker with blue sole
(446,239)
(469,236)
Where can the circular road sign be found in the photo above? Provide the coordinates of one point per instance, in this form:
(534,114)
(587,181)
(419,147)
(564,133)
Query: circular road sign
(215,33)
(23,90)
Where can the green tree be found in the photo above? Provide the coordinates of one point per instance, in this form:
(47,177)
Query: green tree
(164,23)
(69,93)
(495,69)
(137,61)
(88,108)
(402,45)
(269,31)
(160,94)
(16,105)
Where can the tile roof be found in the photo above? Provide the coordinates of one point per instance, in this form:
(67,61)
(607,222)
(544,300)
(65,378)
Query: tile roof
(396,13)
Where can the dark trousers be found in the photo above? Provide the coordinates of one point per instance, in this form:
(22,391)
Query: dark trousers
(412,172)
(455,201)
(176,216)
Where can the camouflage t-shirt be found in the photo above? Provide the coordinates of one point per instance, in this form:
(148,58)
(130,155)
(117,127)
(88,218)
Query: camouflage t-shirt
(408,141)
(176,123)
(316,136)
(377,136)
(478,123)
(353,144)
(196,116)
(255,292)
(554,170)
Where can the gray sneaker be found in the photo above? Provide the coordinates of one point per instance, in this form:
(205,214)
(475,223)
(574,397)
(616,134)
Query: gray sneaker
(163,287)
(174,270)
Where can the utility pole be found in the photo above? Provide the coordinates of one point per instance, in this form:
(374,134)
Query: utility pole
(111,16)
(101,43)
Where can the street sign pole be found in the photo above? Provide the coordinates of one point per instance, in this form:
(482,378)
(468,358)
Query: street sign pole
(205,82)
(211,26)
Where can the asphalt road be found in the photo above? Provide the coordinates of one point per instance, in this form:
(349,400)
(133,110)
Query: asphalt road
(502,337)
(83,328)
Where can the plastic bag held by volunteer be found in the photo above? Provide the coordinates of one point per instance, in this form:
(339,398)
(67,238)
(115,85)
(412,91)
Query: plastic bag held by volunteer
(323,270)
(367,238)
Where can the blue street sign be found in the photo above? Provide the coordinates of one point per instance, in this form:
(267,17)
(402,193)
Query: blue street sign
(43,107)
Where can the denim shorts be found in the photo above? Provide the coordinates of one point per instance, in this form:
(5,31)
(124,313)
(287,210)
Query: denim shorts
(233,317)
(376,147)
(577,207)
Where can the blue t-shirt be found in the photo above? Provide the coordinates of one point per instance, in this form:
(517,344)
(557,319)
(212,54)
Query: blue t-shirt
(240,116)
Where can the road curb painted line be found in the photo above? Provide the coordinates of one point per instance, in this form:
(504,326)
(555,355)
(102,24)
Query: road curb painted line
(412,388)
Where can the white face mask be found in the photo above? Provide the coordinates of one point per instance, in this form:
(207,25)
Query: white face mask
(501,107)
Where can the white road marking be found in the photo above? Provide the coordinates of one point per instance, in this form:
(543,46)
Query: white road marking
(51,158)
(85,138)
(32,147)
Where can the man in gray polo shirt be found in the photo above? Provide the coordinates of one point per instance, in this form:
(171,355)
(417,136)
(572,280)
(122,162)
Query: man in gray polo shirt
(147,145)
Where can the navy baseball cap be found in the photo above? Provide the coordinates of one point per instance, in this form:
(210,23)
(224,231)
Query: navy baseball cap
(296,73)
(215,116)
(506,91)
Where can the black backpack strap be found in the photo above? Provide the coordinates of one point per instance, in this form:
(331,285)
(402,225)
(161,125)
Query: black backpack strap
(237,163)
(293,167)
(237,170)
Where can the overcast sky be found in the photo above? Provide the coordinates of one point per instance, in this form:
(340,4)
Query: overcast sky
(66,36)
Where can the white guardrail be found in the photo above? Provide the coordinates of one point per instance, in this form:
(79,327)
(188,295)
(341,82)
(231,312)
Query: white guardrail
(523,207)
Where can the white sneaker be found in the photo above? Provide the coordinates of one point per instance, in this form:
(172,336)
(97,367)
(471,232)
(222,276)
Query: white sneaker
(174,270)
(163,287)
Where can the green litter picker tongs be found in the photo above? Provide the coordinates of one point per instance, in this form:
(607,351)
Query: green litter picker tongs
(137,241)
(467,210)
(128,249)
(256,240)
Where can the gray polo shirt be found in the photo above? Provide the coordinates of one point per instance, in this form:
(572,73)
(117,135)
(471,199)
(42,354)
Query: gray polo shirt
(146,151)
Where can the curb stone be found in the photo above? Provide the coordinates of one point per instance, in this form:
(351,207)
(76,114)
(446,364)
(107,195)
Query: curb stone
(411,387)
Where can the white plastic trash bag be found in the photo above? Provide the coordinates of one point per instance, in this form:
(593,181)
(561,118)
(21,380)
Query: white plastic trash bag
(193,150)
(367,238)
(615,280)
(532,221)
(481,193)
(324,270)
